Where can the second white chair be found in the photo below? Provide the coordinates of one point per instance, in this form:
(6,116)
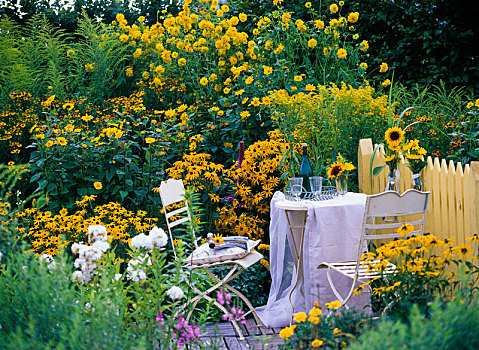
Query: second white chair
(385,212)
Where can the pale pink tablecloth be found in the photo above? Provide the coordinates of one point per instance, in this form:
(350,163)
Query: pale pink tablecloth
(332,233)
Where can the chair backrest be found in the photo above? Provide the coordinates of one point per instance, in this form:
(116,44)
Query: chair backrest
(388,211)
(172,192)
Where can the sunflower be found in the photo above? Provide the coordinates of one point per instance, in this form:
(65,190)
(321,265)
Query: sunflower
(394,135)
(335,170)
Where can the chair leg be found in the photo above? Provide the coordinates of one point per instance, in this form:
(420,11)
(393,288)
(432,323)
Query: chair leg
(247,302)
(336,293)
(233,321)
(192,309)
(204,295)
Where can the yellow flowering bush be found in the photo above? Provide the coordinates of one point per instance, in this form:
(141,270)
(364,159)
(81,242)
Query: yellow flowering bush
(48,232)
(313,329)
(330,119)
(426,267)
(236,199)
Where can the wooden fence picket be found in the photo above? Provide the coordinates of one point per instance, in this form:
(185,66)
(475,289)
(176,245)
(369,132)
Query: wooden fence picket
(459,192)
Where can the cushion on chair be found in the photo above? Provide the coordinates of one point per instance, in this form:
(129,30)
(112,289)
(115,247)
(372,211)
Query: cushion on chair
(204,255)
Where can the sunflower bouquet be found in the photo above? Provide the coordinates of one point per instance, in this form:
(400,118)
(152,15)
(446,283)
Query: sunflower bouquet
(414,155)
(394,139)
(339,170)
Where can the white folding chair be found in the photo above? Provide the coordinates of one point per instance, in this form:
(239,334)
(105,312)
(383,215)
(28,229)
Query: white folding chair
(172,192)
(385,212)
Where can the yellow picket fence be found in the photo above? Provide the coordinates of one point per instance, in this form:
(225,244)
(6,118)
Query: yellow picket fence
(453,210)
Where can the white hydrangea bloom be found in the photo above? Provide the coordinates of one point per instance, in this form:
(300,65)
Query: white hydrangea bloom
(97,233)
(91,253)
(49,259)
(118,276)
(142,241)
(102,246)
(77,277)
(135,274)
(175,292)
(79,262)
(158,237)
(76,248)
(1,256)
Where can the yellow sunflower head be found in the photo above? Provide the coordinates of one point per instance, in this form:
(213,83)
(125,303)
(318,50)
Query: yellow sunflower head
(394,135)
(335,170)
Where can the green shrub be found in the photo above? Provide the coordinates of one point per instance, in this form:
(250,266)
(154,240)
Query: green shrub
(423,41)
(451,326)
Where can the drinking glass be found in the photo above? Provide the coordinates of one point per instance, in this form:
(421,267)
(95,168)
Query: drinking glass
(316,183)
(296,187)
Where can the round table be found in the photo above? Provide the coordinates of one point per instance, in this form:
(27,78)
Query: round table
(304,234)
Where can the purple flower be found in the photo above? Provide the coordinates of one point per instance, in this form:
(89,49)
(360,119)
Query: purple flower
(160,318)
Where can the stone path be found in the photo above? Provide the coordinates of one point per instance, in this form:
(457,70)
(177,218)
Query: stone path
(226,338)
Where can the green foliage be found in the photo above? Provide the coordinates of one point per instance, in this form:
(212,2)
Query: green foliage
(444,124)
(254,284)
(127,167)
(97,46)
(41,308)
(67,16)
(44,49)
(450,326)
(423,41)
(14,73)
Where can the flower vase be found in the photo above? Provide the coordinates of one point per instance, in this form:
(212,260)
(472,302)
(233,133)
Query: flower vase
(342,184)
(416,182)
(393,181)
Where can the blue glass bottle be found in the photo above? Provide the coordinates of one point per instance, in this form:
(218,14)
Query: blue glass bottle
(305,171)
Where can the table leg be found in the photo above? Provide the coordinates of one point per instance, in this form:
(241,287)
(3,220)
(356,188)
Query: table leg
(296,239)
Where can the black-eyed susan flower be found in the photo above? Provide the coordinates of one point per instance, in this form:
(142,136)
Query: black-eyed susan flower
(150,140)
(405,229)
(218,239)
(68,106)
(98,185)
(61,141)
